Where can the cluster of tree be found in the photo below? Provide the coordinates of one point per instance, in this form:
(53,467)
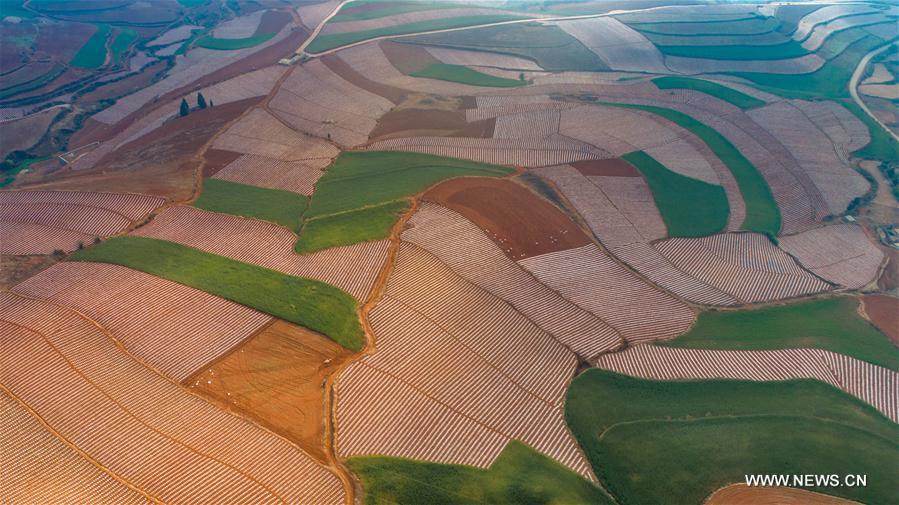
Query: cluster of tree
(201,104)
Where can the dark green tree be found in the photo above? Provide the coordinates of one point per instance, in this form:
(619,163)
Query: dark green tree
(201,100)
(185,109)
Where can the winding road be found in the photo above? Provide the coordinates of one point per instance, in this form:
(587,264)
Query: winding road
(856,77)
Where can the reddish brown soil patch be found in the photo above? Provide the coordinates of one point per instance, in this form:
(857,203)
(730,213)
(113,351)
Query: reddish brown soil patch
(61,43)
(26,132)
(15,269)
(428,122)
(217,159)
(469,102)
(741,494)
(23,74)
(129,84)
(272,21)
(407,58)
(277,378)
(344,70)
(883,311)
(374,6)
(519,221)
(889,279)
(613,166)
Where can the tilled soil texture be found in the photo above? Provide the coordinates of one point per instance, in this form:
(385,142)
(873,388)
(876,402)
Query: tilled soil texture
(344,70)
(15,269)
(407,58)
(217,159)
(430,122)
(277,378)
(521,223)
(740,494)
(272,22)
(884,313)
(613,167)
(130,84)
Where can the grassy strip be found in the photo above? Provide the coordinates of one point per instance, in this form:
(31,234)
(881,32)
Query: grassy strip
(689,207)
(658,441)
(386,11)
(465,75)
(520,475)
(789,49)
(347,228)
(93,53)
(730,95)
(762,214)
(282,207)
(307,302)
(332,40)
(11,169)
(210,42)
(122,42)
(882,145)
(41,80)
(832,324)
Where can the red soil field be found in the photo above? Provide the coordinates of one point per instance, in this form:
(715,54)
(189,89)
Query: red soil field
(371,7)
(740,494)
(344,70)
(217,159)
(430,122)
(517,220)
(889,279)
(62,44)
(127,85)
(407,58)
(277,378)
(883,311)
(272,21)
(612,167)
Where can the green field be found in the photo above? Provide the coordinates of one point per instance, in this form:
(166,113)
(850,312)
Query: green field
(832,324)
(689,207)
(351,199)
(465,75)
(550,46)
(391,8)
(332,40)
(93,53)
(122,42)
(734,27)
(882,145)
(731,95)
(790,49)
(520,475)
(762,214)
(347,228)
(281,207)
(210,42)
(307,302)
(192,3)
(678,441)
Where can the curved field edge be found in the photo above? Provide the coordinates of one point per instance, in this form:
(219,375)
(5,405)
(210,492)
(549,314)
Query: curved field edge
(352,227)
(93,53)
(831,324)
(649,441)
(689,207)
(730,95)
(465,75)
(210,42)
(520,475)
(314,304)
(274,205)
(762,213)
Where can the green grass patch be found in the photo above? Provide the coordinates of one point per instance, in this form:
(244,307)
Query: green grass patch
(192,3)
(122,42)
(307,302)
(790,49)
(347,228)
(277,206)
(389,10)
(689,207)
(882,145)
(762,214)
(465,75)
(678,441)
(832,324)
(741,100)
(736,27)
(550,46)
(332,40)
(210,42)
(10,169)
(93,53)
(520,475)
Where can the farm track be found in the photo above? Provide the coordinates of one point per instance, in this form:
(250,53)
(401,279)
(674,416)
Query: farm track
(854,82)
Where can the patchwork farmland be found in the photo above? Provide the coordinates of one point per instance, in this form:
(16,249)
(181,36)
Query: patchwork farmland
(441,251)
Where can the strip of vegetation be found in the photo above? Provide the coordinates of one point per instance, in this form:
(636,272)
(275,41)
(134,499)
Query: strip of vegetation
(783,51)
(122,42)
(307,302)
(882,145)
(689,207)
(332,40)
(210,42)
(389,10)
(465,75)
(352,227)
(736,27)
(13,164)
(741,100)
(41,80)
(93,53)
(832,324)
(658,441)
(520,475)
(282,207)
(762,213)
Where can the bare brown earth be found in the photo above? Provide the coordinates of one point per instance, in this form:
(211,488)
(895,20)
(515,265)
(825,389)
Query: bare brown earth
(883,311)
(430,122)
(519,221)
(26,132)
(740,494)
(407,58)
(15,269)
(430,102)
(889,279)
(277,377)
(371,7)
(344,70)
(127,85)
(272,21)
(217,159)
(612,166)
